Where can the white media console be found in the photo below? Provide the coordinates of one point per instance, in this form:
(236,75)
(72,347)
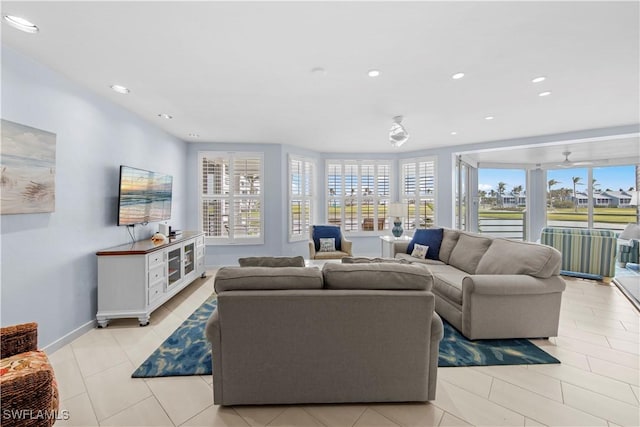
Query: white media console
(136,278)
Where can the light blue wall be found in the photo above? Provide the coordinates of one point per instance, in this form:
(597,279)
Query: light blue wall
(49,271)
(49,267)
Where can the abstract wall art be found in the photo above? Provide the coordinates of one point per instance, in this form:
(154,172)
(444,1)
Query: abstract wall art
(28,169)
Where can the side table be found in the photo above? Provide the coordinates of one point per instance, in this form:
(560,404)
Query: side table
(386,244)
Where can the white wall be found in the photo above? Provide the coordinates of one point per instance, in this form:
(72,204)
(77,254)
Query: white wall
(49,267)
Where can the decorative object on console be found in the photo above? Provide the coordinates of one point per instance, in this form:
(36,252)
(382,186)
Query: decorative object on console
(164,229)
(398,135)
(158,239)
(397,211)
(28,164)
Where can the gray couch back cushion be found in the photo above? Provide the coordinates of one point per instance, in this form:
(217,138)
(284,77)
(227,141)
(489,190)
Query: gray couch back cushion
(369,260)
(511,257)
(449,240)
(385,275)
(468,251)
(267,278)
(271,261)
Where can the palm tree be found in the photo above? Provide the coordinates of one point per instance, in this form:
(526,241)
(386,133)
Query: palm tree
(594,185)
(517,190)
(576,181)
(550,184)
(502,186)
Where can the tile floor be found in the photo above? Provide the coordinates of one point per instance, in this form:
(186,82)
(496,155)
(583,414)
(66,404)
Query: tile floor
(598,382)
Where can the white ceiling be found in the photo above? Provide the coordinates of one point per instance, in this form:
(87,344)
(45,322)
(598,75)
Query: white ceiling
(241,71)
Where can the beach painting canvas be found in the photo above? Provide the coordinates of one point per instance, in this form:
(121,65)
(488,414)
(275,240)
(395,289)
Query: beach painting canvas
(28,165)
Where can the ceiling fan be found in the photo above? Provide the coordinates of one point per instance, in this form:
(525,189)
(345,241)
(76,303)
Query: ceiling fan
(568,163)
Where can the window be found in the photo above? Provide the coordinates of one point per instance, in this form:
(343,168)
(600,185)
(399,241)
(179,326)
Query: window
(358,194)
(418,192)
(502,195)
(231,197)
(592,197)
(301,197)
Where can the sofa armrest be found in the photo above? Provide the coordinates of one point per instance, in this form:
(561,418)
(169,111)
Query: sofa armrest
(511,284)
(212,331)
(400,248)
(346,245)
(312,250)
(18,339)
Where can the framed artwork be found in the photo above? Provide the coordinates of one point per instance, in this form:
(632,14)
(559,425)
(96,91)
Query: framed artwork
(28,166)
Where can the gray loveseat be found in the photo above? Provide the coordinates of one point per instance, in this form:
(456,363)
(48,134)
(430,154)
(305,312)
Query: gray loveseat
(348,333)
(495,288)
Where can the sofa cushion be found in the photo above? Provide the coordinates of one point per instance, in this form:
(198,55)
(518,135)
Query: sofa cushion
(368,260)
(449,240)
(468,252)
(271,261)
(326,232)
(409,258)
(327,244)
(512,257)
(330,255)
(376,276)
(267,278)
(431,237)
(449,285)
(420,251)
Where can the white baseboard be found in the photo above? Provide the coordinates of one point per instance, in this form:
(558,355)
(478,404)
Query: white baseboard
(66,339)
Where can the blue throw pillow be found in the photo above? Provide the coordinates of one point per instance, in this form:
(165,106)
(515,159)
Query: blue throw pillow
(431,237)
(326,232)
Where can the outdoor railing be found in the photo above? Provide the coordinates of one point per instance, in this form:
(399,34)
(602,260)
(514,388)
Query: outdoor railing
(508,228)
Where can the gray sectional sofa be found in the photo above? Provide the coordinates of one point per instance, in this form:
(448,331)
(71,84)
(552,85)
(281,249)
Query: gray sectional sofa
(348,333)
(495,288)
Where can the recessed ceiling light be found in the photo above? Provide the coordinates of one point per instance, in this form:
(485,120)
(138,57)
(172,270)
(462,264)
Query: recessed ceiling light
(454,133)
(21,24)
(457,76)
(489,118)
(120,89)
(547,93)
(165,116)
(374,73)
(539,79)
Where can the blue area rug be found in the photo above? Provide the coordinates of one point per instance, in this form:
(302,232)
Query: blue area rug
(456,350)
(187,351)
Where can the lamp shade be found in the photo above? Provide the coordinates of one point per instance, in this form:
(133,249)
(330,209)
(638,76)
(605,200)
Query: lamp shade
(397,209)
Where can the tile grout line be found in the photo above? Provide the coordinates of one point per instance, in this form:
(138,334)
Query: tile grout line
(555,401)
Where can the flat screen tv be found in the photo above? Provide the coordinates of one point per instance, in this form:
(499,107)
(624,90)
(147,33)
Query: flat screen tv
(144,196)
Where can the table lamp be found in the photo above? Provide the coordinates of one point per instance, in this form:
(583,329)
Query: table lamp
(397,211)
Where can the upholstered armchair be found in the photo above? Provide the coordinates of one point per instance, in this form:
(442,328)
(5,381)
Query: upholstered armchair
(28,386)
(320,245)
(629,245)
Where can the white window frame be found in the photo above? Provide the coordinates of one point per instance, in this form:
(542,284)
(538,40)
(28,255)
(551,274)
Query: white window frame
(231,239)
(307,181)
(359,197)
(404,198)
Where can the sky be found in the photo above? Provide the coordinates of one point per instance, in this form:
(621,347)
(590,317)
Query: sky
(613,177)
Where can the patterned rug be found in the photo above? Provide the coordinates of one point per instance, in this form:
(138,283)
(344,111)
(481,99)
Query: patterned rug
(187,351)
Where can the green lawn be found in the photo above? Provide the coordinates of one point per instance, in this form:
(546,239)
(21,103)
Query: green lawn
(610,215)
